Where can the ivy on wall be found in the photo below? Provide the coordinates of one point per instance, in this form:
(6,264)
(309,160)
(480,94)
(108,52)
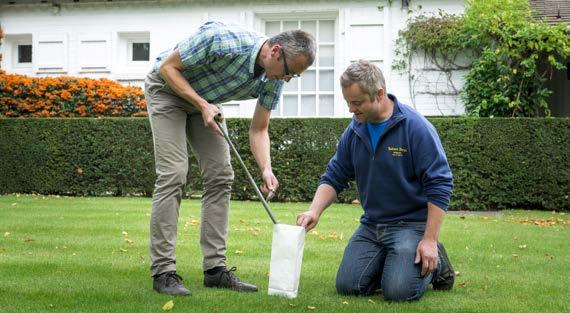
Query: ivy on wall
(512,54)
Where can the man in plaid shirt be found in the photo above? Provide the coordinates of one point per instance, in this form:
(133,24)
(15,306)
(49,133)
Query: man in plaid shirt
(216,64)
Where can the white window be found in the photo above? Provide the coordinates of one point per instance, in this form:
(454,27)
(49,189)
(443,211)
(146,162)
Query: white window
(312,94)
(135,49)
(21,50)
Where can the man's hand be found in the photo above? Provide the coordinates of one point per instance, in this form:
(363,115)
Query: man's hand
(270,182)
(426,252)
(209,112)
(308,220)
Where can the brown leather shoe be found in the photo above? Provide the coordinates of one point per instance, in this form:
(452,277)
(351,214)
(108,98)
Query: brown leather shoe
(227,279)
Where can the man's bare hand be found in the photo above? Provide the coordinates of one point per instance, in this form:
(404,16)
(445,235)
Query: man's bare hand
(426,252)
(209,113)
(308,220)
(270,182)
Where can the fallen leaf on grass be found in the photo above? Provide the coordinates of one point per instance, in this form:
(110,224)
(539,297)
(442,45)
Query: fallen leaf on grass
(129,241)
(331,235)
(122,250)
(462,283)
(168,306)
(515,255)
(549,256)
(239,252)
(549,222)
(6,234)
(292,305)
(371,301)
(522,246)
(345,302)
(125,233)
(310,307)
(458,273)
(14,204)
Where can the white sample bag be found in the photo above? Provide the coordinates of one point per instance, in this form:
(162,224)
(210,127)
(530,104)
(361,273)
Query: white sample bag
(286,259)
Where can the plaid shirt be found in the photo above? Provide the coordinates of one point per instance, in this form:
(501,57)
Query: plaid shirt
(219,64)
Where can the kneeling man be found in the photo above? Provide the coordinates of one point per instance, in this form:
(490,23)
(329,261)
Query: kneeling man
(404,181)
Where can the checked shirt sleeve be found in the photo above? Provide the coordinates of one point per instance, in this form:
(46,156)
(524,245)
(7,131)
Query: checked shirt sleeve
(269,96)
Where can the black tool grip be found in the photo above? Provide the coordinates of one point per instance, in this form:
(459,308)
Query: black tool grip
(218,117)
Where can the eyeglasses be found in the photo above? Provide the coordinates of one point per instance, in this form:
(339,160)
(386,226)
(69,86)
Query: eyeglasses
(287,73)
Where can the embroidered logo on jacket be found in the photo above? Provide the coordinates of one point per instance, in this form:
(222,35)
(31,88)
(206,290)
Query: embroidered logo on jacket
(398,151)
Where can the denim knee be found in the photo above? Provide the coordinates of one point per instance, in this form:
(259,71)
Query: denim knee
(346,286)
(401,293)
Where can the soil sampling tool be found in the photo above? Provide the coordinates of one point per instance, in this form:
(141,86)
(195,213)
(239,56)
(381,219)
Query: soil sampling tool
(287,245)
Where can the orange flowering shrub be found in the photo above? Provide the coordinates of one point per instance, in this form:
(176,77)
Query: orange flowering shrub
(25,96)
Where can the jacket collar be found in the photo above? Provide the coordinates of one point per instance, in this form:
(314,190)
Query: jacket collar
(397,115)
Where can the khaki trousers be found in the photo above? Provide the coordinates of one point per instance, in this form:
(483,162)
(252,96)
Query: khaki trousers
(174,123)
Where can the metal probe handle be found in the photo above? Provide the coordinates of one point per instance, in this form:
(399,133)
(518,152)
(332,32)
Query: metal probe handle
(259,194)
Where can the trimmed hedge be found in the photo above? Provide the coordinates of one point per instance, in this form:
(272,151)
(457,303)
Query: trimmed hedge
(497,163)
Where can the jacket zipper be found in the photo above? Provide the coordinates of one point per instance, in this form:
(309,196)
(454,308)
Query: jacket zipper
(381,136)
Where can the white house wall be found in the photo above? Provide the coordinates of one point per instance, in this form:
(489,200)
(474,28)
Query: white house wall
(90,39)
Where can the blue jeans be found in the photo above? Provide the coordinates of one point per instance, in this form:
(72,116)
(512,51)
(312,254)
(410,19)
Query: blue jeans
(382,256)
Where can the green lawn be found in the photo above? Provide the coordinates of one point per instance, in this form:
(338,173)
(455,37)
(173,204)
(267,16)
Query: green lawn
(91,255)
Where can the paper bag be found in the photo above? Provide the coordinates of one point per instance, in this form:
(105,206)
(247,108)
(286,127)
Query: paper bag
(286,259)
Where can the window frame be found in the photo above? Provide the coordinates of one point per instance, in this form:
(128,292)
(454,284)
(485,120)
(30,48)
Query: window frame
(20,40)
(132,38)
(315,67)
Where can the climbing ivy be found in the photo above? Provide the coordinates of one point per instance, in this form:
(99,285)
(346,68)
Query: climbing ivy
(512,54)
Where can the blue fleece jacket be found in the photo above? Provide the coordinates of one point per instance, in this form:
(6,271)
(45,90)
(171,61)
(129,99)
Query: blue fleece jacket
(407,169)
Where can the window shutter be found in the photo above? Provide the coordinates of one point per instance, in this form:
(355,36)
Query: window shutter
(51,52)
(94,52)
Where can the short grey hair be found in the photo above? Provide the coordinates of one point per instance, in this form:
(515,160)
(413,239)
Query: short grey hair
(295,42)
(367,75)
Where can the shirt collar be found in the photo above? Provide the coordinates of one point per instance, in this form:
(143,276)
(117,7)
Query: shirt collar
(253,56)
